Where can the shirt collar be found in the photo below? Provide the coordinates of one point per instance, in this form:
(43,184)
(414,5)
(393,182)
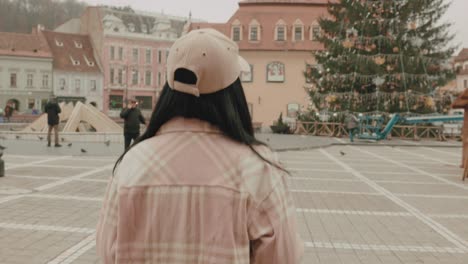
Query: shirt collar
(180,124)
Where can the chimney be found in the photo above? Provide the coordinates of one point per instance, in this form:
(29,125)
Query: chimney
(38,29)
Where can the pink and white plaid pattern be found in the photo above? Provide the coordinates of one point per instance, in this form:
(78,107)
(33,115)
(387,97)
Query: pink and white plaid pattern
(192,196)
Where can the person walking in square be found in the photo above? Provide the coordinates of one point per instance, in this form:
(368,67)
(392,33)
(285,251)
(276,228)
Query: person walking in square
(53,110)
(132,118)
(352,125)
(197,187)
(8,112)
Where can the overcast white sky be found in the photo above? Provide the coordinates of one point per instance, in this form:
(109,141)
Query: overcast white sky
(221,10)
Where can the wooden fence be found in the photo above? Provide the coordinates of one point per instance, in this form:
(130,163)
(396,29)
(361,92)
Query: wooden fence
(339,130)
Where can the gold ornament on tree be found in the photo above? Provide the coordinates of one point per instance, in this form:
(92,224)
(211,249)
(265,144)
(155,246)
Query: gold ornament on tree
(348,44)
(380,60)
(396,49)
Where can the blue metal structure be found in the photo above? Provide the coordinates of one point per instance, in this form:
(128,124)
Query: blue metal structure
(370,127)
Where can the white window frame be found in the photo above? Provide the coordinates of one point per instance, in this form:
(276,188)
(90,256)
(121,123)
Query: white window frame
(314,25)
(236,25)
(252,25)
(62,84)
(45,80)
(77,85)
(135,76)
(136,58)
(297,24)
(281,24)
(93,85)
(150,77)
(30,80)
(150,53)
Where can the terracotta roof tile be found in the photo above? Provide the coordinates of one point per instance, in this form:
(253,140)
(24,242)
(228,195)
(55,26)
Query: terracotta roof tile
(462,56)
(67,48)
(461,101)
(268,16)
(247,2)
(24,45)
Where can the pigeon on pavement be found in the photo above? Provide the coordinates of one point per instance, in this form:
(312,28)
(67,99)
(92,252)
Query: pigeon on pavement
(70,144)
(342,153)
(40,138)
(2,147)
(107,142)
(83,150)
(18,137)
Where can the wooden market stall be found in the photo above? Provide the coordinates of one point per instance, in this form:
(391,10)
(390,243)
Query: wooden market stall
(462,103)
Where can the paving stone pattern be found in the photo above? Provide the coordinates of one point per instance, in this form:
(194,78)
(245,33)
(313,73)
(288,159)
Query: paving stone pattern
(355,204)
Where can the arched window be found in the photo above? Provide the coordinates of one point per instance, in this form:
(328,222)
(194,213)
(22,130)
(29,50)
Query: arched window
(255,33)
(315,31)
(298,31)
(281,31)
(236,30)
(275,72)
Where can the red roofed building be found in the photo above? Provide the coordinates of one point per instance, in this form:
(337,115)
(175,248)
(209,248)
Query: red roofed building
(77,72)
(25,71)
(461,65)
(277,38)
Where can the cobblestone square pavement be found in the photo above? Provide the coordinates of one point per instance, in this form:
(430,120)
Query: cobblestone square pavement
(355,204)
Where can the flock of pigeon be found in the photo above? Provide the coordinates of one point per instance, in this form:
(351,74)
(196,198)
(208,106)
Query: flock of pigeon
(41,138)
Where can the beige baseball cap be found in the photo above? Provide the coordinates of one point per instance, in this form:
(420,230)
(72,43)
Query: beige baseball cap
(211,56)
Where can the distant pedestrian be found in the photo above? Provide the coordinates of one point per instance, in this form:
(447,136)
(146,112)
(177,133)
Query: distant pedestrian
(53,120)
(133,117)
(352,125)
(8,112)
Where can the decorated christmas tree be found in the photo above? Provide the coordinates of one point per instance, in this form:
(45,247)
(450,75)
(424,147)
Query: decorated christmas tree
(384,56)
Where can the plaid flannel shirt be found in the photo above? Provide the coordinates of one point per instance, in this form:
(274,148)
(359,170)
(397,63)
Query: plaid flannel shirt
(191,195)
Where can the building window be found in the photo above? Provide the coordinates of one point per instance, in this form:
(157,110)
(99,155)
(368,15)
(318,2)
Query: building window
(275,72)
(148,56)
(93,85)
(315,32)
(120,77)
(247,76)
(298,33)
(236,33)
(112,76)
(134,77)
(167,55)
(115,102)
(45,80)
(466,83)
(77,85)
(145,102)
(159,79)
(78,44)
(159,56)
(62,84)
(293,110)
(13,80)
(30,80)
(112,53)
(135,55)
(31,103)
(281,33)
(148,78)
(250,105)
(120,53)
(253,33)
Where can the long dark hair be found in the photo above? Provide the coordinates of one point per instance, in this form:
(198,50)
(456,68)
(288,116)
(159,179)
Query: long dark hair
(226,109)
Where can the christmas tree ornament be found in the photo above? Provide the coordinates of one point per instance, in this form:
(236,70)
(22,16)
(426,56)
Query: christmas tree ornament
(379,60)
(396,49)
(348,44)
